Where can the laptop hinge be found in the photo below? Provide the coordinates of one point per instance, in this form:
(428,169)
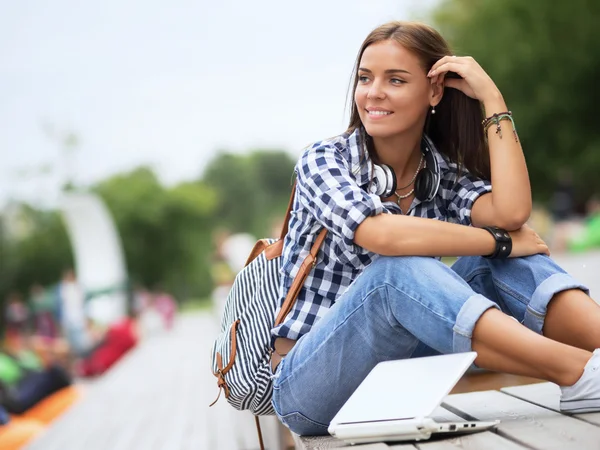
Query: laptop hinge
(374,421)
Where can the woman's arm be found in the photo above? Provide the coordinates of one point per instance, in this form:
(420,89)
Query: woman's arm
(509,204)
(399,235)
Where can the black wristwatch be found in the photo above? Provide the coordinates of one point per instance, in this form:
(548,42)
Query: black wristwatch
(503,243)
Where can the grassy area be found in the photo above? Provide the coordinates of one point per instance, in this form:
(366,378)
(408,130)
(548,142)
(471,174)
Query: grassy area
(195,305)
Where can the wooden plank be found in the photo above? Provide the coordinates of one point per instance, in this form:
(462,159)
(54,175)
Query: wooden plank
(484,440)
(481,440)
(548,396)
(443,415)
(526,423)
(325,442)
(317,442)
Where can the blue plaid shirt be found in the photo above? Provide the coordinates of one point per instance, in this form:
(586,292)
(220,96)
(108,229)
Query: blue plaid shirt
(331,192)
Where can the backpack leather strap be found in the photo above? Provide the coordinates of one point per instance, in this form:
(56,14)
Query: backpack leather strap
(307,265)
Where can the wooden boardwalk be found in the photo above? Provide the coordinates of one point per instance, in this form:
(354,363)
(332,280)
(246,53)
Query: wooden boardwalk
(157,397)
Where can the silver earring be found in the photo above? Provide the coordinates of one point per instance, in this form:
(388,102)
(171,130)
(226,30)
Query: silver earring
(433,110)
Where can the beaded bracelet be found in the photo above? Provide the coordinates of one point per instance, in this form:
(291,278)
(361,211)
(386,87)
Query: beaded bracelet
(495,119)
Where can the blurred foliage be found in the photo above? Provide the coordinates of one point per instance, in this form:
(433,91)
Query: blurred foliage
(167,232)
(254,189)
(545,58)
(39,256)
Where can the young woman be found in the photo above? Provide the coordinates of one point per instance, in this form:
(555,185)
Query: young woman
(376,293)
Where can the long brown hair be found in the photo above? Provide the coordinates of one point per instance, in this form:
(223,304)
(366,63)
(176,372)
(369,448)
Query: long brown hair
(455,128)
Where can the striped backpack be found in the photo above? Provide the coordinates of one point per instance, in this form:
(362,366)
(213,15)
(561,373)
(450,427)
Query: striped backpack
(241,353)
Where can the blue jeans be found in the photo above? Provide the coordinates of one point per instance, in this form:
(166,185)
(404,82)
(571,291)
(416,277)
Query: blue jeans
(405,307)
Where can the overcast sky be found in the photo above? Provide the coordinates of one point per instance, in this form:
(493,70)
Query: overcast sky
(170,83)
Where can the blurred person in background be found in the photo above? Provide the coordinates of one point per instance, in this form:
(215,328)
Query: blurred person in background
(17,317)
(141,299)
(72,314)
(155,310)
(108,343)
(44,312)
(46,338)
(111,345)
(166,306)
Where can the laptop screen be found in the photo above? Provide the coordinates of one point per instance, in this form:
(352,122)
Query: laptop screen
(404,389)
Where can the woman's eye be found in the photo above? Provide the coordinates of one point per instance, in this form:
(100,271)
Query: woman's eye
(363,79)
(398,81)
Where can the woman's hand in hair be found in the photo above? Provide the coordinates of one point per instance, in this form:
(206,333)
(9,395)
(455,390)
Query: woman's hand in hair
(526,242)
(473,82)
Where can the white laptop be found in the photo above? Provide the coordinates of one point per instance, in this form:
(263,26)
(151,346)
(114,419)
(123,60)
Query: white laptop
(396,400)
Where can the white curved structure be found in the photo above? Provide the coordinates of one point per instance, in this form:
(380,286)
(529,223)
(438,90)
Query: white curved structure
(98,254)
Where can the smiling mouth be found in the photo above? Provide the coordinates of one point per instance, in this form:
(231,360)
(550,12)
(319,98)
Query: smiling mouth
(379,113)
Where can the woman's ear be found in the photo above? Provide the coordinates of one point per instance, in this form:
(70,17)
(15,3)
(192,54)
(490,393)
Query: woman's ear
(436,91)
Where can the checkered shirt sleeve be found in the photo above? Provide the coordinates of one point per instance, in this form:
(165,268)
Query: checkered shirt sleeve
(461,194)
(329,191)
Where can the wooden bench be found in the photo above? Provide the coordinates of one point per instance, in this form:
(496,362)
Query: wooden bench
(529,416)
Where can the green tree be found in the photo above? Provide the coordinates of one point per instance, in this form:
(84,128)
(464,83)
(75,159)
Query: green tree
(252,189)
(166,233)
(545,58)
(38,256)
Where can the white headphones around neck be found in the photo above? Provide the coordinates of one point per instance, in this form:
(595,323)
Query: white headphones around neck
(427,182)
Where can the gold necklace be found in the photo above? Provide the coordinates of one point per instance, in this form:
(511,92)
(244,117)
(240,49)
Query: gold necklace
(402,197)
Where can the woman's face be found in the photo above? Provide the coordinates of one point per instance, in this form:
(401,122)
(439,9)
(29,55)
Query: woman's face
(393,93)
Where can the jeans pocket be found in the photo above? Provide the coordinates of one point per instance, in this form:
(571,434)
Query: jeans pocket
(302,425)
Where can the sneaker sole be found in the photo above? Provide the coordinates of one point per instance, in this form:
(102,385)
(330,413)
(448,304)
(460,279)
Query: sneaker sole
(580,406)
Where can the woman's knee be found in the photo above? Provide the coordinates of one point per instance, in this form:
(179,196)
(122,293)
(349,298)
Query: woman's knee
(539,263)
(393,265)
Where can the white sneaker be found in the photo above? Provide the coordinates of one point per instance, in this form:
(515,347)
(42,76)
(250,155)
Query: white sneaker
(583,396)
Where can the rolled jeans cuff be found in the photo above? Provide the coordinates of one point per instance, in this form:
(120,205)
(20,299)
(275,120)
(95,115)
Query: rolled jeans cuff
(538,306)
(467,317)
